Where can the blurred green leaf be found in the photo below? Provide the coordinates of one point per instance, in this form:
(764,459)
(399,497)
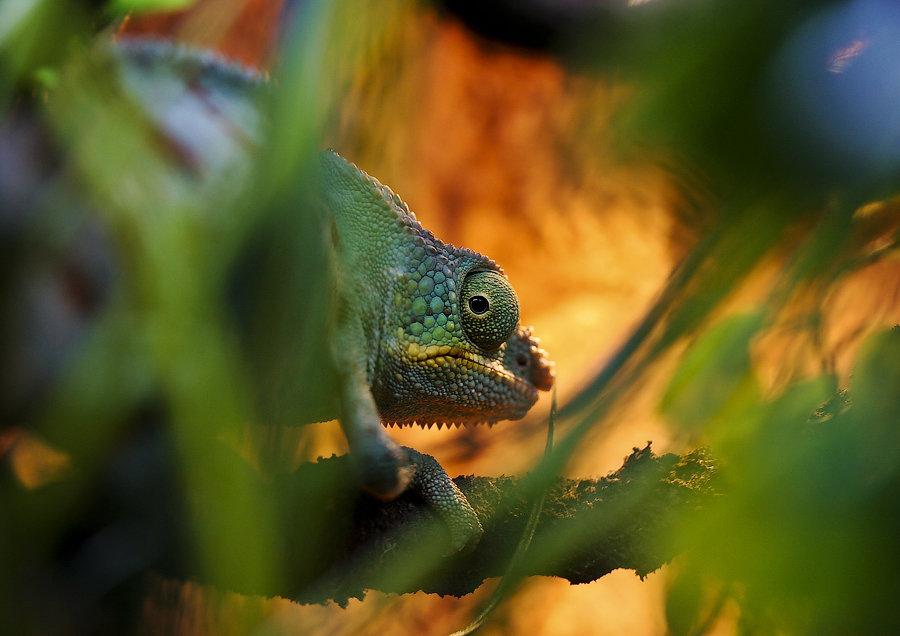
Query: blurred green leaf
(34,35)
(12,14)
(715,374)
(684,603)
(875,387)
(875,395)
(123,6)
(47,77)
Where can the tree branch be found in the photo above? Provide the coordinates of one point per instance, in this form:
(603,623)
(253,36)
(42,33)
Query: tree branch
(587,528)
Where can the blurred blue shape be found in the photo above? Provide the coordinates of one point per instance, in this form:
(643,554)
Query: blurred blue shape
(833,92)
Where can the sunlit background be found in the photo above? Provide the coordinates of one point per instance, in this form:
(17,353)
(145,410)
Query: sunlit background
(591,149)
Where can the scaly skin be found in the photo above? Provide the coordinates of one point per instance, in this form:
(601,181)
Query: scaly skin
(432,336)
(424,332)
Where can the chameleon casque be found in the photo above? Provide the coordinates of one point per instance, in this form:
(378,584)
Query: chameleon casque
(422,332)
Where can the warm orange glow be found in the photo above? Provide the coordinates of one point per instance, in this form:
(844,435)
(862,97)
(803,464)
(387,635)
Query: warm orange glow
(33,462)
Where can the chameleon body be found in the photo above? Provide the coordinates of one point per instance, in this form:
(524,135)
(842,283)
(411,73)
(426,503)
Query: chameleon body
(423,332)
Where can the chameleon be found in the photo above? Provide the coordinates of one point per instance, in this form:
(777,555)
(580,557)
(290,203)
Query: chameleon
(430,334)
(421,332)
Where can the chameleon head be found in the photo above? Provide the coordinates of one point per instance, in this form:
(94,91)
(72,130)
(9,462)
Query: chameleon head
(455,351)
(445,319)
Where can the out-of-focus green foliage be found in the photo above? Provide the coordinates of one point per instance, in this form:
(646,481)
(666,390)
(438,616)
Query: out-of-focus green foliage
(807,512)
(122,6)
(164,336)
(800,540)
(714,379)
(34,36)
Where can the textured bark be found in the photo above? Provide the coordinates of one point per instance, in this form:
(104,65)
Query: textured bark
(587,528)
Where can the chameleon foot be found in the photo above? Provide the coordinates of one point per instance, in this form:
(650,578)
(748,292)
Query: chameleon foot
(438,490)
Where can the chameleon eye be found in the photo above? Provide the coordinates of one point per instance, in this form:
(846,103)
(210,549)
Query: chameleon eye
(479,304)
(490,309)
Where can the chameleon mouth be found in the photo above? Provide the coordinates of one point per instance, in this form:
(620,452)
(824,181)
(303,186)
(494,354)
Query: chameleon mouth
(510,398)
(453,357)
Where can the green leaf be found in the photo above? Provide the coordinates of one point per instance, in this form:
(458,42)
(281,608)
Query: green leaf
(715,372)
(47,77)
(876,379)
(876,404)
(684,603)
(124,6)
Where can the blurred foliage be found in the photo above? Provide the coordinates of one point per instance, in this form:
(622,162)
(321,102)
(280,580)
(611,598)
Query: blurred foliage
(123,6)
(148,310)
(810,503)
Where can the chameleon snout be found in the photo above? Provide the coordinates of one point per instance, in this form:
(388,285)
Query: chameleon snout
(530,361)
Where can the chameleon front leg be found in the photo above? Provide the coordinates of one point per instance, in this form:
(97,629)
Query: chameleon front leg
(382,467)
(386,469)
